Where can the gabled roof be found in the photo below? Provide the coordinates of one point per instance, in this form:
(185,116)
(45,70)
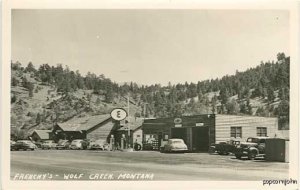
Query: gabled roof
(83,123)
(134,124)
(43,134)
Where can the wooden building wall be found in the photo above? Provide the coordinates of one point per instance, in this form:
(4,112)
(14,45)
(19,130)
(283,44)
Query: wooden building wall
(103,131)
(249,126)
(137,136)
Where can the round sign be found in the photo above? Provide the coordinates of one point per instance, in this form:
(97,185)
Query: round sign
(118,114)
(177,120)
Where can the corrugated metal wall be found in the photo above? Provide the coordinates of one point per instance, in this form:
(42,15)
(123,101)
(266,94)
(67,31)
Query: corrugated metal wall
(248,124)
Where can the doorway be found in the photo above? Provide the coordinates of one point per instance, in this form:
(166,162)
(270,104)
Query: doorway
(200,139)
(179,133)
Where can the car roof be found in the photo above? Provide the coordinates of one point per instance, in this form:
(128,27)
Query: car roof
(260,137)
(100,140)
(23,141)
(176,139)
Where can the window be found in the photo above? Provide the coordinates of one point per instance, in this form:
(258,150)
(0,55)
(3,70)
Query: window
(261,131)
(236,132)
(166,137)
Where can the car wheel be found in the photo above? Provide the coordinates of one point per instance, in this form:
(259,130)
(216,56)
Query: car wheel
(162,150)
(251,155)
(137,147)
(238,156)
(211,150)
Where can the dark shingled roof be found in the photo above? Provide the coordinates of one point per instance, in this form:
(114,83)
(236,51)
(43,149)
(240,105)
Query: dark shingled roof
(83,123)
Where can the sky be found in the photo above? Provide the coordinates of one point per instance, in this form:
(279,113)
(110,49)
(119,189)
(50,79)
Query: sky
(150,46)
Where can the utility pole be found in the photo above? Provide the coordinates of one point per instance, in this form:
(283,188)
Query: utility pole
(128,124)
(145,108)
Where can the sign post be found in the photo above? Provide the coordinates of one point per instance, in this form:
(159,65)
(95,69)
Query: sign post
(120,114)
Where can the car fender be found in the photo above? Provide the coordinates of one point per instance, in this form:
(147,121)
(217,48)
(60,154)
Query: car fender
(253,149)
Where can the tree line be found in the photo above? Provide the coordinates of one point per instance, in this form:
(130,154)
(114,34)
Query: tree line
(179,99)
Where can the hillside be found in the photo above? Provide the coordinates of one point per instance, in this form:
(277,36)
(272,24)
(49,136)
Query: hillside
(41,97)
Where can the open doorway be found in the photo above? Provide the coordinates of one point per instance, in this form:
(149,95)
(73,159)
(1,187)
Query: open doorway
(200,139)
(180,133)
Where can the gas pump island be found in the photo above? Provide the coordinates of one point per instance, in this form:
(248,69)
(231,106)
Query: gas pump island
(119,114)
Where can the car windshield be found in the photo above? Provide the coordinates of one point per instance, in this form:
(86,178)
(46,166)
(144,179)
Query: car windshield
(76,141)
(100,141)
(262,141)
(62,142)
(253,140)
(177,142)
(27,142)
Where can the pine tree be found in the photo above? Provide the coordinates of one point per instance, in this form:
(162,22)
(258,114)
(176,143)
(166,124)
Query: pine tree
(30,88)
(38,118)
(270,94)
(30,68)
(283,114)
(14,81)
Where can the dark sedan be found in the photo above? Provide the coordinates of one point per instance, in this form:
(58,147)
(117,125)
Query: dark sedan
(23,145)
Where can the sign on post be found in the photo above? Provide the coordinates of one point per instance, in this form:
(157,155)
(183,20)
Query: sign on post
(118,114)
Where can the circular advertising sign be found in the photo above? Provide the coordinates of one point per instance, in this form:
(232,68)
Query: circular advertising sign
(177,120)
(118,114)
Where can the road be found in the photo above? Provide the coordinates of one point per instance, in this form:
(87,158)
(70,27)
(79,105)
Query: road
(143,165)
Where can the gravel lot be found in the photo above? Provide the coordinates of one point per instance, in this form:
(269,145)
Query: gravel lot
(143,165)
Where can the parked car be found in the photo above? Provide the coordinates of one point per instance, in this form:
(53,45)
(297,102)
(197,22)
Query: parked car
(224,148)
(174,145)
(23,145)
(38,144)
(63,144)
(99,145)
(12,142)
(48,144)
(252,148)
(78,144)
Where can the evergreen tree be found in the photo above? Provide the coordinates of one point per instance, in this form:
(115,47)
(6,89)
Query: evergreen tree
(214,104)
(283,114)
(30,68)
(14,81)
(38,118)
(30,88)
(249,107)
(270,94)
(232,107)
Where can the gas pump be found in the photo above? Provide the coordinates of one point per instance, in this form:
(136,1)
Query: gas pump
(112,143)
(123,139)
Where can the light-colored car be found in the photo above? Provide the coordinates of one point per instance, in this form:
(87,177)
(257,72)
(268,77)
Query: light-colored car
(99,145)
(78,144)
(175,145)
(63,144)
(23,145)
(48,144)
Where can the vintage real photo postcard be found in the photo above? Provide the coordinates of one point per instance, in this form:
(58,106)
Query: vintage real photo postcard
(170,95)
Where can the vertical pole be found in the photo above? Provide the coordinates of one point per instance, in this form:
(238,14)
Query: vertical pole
(144,111)
(128,124)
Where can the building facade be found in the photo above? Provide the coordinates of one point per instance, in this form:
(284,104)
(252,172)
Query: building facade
(88,127)
(200,131)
